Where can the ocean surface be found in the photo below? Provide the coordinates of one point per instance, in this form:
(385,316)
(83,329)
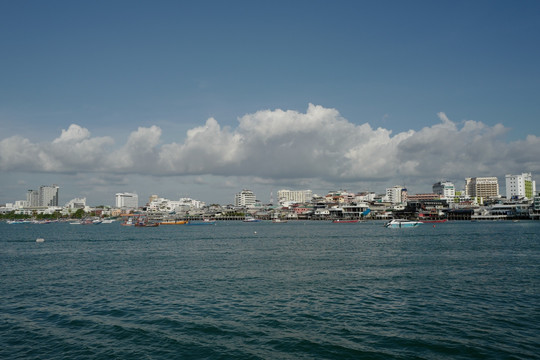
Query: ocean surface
(296,290)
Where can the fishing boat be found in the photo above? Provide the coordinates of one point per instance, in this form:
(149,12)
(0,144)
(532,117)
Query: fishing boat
(147,224)
(402,223)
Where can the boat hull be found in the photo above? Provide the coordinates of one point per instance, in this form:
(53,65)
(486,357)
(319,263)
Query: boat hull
(400,223)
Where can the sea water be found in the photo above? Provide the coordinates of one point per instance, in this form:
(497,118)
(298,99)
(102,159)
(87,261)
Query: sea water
(296,290)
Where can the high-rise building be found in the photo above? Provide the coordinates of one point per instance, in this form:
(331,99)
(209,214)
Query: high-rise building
(396,194)
(485,187)
(48,195)
(32,198)
(244,198)
(297,196)
(127,200)
(445,189)
(520,186)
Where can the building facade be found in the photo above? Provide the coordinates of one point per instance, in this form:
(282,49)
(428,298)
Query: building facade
(127,200)
(245,198)
(520,186)
(485,187)
(396,195)
(32,198)
(48,195)
(296,196)
(445,189)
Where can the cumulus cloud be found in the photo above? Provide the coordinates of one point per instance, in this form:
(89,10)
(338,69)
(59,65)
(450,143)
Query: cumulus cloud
(73,151)
(278,144)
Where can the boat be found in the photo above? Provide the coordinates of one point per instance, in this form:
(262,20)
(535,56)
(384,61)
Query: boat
(173,222)
(251,219)
(14,222)
(146,224)
(402,223)
(277,220)
(433,221)
(128,222)
(344,221)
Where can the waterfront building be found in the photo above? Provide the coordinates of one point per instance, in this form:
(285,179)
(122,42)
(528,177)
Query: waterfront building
(77,203)
(340,197)
(486,187)
(192,203)
(396,195)
(19,204)
(127,200)
(535,208)
(32,198)
(152,198)
(365,197)
(423,197)
(445,189)
(245,198)
(48,195)
(294,196)
(520,186)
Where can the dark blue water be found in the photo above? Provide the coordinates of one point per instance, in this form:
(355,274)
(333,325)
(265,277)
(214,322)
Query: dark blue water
(297,290)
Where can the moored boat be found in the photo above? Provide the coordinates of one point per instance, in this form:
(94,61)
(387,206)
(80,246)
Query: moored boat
(14,222)
(402,223)
(345,221)
(173,222)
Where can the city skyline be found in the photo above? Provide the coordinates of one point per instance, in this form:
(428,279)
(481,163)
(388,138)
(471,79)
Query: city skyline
(201,99)
(517,185)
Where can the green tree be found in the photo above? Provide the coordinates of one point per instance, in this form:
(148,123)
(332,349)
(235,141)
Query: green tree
(79,214)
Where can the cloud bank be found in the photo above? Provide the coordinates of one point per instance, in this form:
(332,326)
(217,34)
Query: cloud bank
(284,145)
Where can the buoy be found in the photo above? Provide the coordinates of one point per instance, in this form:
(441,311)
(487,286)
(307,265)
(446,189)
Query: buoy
(40,240)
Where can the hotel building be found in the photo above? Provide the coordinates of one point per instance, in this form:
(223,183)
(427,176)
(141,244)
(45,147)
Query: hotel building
(298,196)
(244,198)
(485,187)
(445,189)
(396,195)
(48,195)
(520,186)
(127,200)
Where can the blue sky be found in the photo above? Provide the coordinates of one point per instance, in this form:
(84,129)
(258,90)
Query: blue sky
(401,92)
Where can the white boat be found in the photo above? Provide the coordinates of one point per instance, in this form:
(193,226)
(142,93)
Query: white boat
(251,219)
(401,223)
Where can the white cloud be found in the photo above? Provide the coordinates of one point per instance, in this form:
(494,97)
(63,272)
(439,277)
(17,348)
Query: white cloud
(73,151)
(73,134)
(275,145)
(139,154)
